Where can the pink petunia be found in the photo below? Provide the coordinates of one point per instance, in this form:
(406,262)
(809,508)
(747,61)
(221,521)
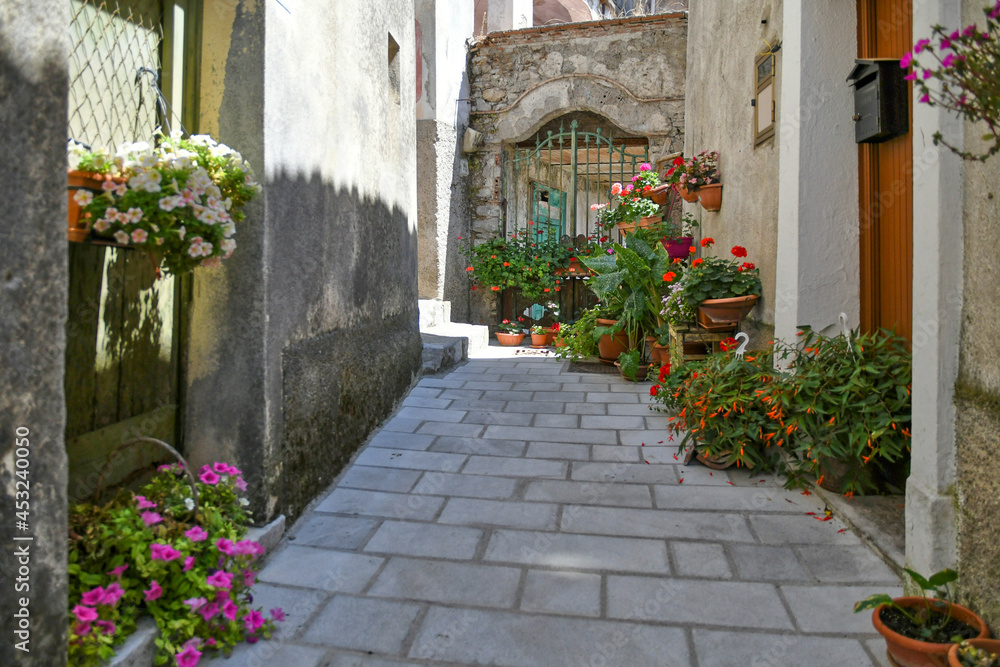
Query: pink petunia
(925,98)
(189,657)
(224,546)
(195,603)
(113,593)
(196,534)
(188,563)
(208,477)
(93,597)
(209,611)
(277,614)
(229,609)
(948,61)
(221,579)
(151,518)
(912,76)
(222,468)
(927,74)
(81,629)
(85,614)
(139,235)
(906,60)
(164,552)
(144,504)
(118,571)
(921,45)
(240,485)
(107,627)
(253,620)
(248,578)
(154,591)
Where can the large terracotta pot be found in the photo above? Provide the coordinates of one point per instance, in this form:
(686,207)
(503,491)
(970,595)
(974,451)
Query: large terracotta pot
(679,248)
(659,354)
(627,226)
(991,645)
(719,314)
(711,196)
(660,194)
(610,348)
(908,652)
(690,196)
(640,375)
(508,339)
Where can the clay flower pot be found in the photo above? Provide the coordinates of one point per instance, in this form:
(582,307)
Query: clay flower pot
(908,652)
(508,339)
(991,645)
(711,196)
(679,248)
(79,223)
(720,314)
(658,354)
(611,348)
(640,375)
(627,226)
(690,196)
(539,340)
(660,194)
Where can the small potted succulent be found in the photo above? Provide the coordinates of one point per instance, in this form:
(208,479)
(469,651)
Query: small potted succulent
(539,336)
(975,653)
(723,291)
(179,201)
(919,631)
(510,333)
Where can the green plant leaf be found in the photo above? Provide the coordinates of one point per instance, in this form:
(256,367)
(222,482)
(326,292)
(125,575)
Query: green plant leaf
(872,601)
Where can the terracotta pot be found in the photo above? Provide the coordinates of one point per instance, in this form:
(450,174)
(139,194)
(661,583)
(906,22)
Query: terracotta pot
(575,268)
(659,354)
(711,196)
(611,348)
(915,653)
(832,474)
(508,339)
(991,645)
(539,340)
(690,196)
(660,194)
(551,336)
(630,225)
(640,375)
(725,313)
(679,248)
(79,226)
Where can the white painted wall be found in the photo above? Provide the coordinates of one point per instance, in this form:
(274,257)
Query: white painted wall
(937,306)
(817,259)
(444,29)
(509,15)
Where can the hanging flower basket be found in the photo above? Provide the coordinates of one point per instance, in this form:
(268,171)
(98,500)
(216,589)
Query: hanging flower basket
(627,226)
(690,196)
(83,186)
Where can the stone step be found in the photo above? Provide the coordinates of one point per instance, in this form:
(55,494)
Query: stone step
(476,335)
(442,352)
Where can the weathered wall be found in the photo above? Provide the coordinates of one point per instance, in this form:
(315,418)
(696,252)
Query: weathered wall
(977,394)
(304,339)
(718,116)
(33,286)
(630,71)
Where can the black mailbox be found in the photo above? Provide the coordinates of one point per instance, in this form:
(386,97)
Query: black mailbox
(881,100)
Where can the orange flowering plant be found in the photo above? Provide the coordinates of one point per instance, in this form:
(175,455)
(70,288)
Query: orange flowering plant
(849,412)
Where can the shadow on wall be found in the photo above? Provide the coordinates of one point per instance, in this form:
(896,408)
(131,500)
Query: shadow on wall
(343,308)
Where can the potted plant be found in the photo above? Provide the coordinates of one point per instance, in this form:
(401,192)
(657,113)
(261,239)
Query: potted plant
(975,653)
(848,416)
(678,237)
(510,333)
(577,340)
(519,261)
(967,62)
(700,175)
(919,631)
(180,201)
(611,340)
(722,291)
(634,208)
(539,336)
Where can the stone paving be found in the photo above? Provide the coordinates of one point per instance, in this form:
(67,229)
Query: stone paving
(514,513)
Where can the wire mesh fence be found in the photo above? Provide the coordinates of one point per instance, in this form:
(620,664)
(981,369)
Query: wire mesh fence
(115,47)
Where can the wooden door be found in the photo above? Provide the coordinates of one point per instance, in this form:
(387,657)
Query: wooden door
(885,29)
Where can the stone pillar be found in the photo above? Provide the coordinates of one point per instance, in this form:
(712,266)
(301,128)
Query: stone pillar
(817,258)
(34,53)
(937,310)
(509,15)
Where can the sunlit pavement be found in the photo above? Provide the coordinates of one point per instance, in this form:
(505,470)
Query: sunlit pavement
(515,513)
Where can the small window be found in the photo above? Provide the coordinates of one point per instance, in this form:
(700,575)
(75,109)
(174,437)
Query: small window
(764,103)
(393,69)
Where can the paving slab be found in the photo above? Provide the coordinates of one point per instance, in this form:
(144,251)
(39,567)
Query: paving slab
(379,479)
(656,523)
(334,532)
(578,552)
(380,504)
(483,446)
(448,582)
(559,450)
(320,569)
(348,622)
(394,458)
(508,467)
(420,539)
(502,513)
(701,559)
(590,493)
(397,440)
(570,593)
(725,649)
(275,652)
(831,608)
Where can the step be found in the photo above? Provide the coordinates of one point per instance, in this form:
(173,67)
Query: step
(442,352)
(477,335)
(433,312)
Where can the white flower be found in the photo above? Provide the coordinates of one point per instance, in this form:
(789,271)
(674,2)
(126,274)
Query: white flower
(101,225)
(189,503)
(176,135)
(202,140)
(121,189)
(228,246)
(139,236)
(206,249)
(134,214)
(148,161)
(229,229)
(169,203)
(83,197)
(121,237)
(107,186)
(244,502)
(182,232)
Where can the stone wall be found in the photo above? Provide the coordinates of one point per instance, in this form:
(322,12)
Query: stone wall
(302,342)
(977,393)
(630,71)
(34,52)
(719,117)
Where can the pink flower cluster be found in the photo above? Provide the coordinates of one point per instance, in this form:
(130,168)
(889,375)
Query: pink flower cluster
(241,548)
(86,613)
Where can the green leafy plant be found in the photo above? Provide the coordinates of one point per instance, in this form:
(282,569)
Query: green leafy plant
(538,330)
(929,622)
(849,410)
(718,278)
(152,552)
(507,326)
(967,64)
(180,200)
(970,656)
(578,340)
(518,261)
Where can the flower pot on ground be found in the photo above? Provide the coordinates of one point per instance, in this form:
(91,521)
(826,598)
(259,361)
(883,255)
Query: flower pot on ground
(920,631)
(658,354)
(710,196)
(539,336)
(721,314)
(552,333)
(641,371)
(609,346)
(975,653)
(509,339)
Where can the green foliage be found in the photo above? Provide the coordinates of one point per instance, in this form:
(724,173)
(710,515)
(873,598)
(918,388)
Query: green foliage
(518,261)
(180,201)
(701,169)
(970,656)
(718,278)
(850,405)
(151,553)
(937,591)
(512,327)
(579,336)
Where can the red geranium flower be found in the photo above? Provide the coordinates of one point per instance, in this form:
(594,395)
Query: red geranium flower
(495,288)
(728,344)
(707,241)
(739,251)
(669,276)
(470,269)
(697,262)
(692,250)
(653,390)
(747,266)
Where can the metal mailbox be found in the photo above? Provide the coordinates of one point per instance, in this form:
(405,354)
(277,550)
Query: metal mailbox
(881,100)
